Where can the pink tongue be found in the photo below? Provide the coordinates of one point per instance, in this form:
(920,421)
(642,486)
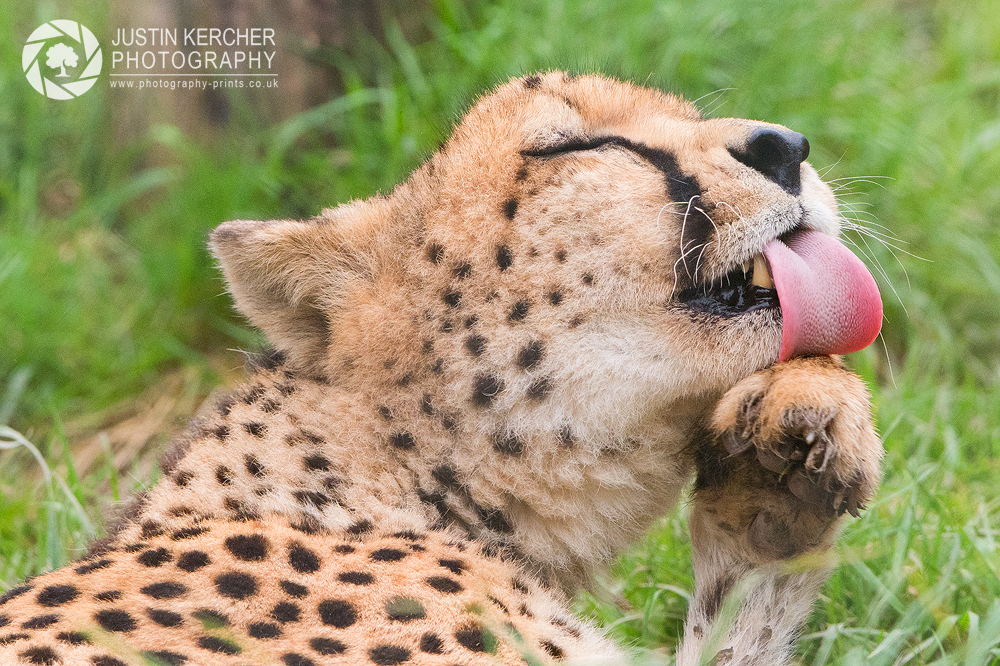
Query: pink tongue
(829,301)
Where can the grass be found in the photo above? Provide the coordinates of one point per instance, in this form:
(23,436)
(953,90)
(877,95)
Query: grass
(106,287)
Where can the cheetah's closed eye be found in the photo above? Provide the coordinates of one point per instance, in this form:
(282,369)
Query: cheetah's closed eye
(485,385)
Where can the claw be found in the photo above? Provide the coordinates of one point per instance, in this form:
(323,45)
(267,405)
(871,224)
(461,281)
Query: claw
(735,444)
(819,455)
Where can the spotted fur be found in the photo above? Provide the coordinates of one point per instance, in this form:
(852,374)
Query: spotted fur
(486,384)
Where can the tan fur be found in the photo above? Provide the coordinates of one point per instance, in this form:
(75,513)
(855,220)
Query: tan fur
(493,365)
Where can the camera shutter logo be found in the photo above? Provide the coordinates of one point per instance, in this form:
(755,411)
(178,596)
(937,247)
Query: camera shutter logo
(62,59)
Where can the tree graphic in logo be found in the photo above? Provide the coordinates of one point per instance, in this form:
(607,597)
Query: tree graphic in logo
(61,56)
(57,45)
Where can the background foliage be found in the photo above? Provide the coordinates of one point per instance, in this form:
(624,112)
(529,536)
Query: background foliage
(106,287)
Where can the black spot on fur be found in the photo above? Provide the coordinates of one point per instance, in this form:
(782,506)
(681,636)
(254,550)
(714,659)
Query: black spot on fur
(295,659)
(236,585)
(510,208)
(270,406)
(455,566)
(388,655)
(264,630)
(285,612)
(452,298)
(4,620)
(165,590)
(431,644)
(327,646)
(224,475)
(519,311)
(240,510)
(447,326)
(388,555)
(251,395)
(494,519)
(552,649)
(40,655)
(575,321)
(435,253)
(438,366)
(561,256)
(315,498)
(164,618)
(105,660)
(84,569)
(588,278)
(337,613)
(444,584)
(555,297)
(499,604)
(136,547)
(10,638)
(225,405)
(504,257)
(344,548)
(485,389)
(356,578)
(114,619)
(716,595)
(507,443)
(285,389)
(385,413)
(57,595)
(476,344)
(183,478)
(317,463)
(302,559)
(519,585)
(294,589)
(108,595)
(402,440)
(360,527)
(222,432)
(40,621)
(187,533)
(165,657)
(462,271)
(539,389)
(248,547)
(150,529)
(154,557)
(254,467)
(530,355)
(471,320)
(532,82)
(474,638)
(219,645)
(73,638)
(193,560)
(445,475)
(255,428)
(425,405)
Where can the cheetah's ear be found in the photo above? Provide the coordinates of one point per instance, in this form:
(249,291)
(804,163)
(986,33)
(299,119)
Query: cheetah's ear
(290,278)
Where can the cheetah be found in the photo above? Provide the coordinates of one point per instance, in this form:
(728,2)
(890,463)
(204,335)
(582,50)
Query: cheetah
(489,382)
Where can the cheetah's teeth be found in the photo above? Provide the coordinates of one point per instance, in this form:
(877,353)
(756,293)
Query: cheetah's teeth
(762,273)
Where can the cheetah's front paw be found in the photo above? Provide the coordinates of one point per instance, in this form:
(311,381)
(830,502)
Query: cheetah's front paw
(808,420)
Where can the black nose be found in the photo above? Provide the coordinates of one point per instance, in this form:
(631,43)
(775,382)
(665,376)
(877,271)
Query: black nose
(777,153)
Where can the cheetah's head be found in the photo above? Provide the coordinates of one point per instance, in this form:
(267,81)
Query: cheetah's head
(578,241)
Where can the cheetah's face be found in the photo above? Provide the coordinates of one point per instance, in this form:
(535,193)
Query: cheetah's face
(575,237)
